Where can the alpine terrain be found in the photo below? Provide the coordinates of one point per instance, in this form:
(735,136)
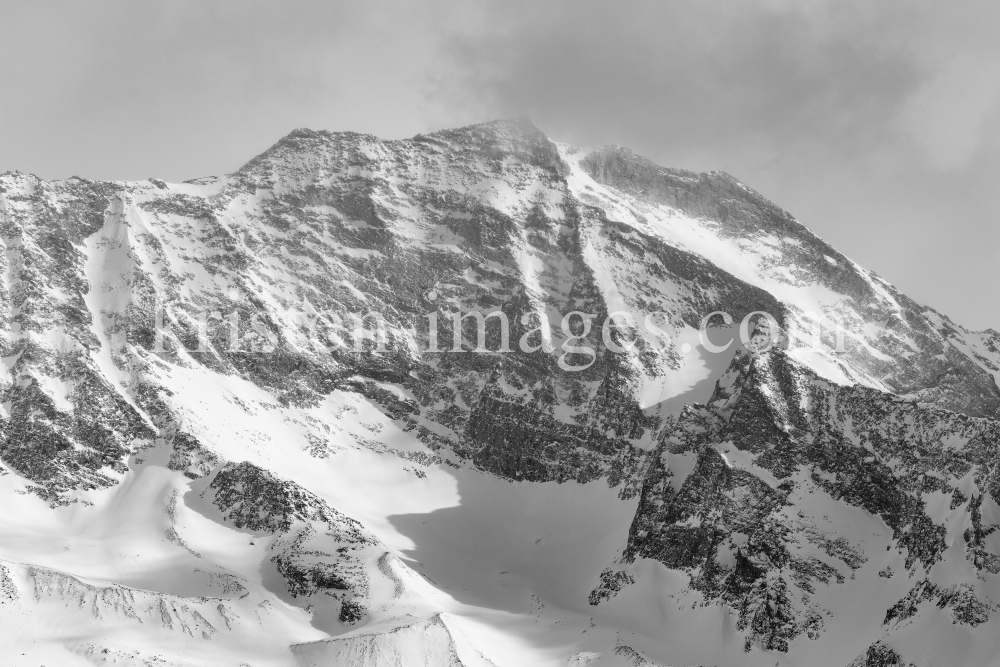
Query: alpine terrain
(478,398)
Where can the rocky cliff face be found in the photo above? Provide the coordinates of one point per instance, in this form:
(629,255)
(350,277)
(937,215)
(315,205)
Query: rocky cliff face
(316,547)
(740,493)
(302,310)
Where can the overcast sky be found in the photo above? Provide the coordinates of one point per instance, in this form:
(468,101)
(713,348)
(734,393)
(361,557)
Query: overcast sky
(875,123)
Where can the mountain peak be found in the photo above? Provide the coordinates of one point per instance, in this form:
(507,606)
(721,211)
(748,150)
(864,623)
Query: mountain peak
(302,148)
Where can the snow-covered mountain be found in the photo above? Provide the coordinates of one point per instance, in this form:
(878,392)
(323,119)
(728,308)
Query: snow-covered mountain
(238,427)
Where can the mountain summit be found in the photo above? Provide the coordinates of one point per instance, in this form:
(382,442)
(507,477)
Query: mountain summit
(478,398)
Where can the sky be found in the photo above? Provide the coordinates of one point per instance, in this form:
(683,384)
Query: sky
(876,124)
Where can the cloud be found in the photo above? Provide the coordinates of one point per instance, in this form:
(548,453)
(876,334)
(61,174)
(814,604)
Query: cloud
(677,77)
(949,112)
(116,89)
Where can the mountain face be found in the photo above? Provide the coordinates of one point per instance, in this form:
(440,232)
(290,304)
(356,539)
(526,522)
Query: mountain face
(467,398)
(741,493)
